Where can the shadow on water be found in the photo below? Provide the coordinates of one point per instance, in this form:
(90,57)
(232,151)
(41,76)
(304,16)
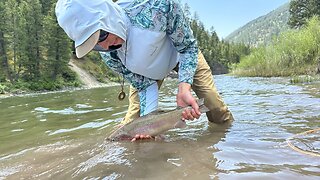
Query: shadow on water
(62,136)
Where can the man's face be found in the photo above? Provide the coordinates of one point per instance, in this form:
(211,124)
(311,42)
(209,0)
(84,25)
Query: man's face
(108,41)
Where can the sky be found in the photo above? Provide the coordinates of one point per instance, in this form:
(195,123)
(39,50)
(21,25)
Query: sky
(225,16)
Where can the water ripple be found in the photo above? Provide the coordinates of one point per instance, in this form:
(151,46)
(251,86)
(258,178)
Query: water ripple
(70,110)
(112,154)
(83,126)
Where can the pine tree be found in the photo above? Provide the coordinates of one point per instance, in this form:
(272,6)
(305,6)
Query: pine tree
(58,46)
(5,72)
(298,13)
(315,7)
(12,15)
(32,43)
(46,5)
(301,11)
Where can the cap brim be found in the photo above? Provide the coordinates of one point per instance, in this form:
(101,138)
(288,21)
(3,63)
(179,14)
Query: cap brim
(88,45)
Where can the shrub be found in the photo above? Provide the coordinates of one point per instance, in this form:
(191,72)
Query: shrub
(3,89)
(294,52)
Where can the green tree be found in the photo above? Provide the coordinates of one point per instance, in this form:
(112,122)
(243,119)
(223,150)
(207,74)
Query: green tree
(46,5)
(298,9)
(315,7)
(12,19)
(301,11)
(58,47)
(5,72)
(32,23)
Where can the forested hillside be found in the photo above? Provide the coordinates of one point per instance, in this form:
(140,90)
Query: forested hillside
(35,51)
(263,29)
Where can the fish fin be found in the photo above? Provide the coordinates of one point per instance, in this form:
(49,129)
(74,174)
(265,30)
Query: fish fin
(200,101)
(203,108)
(201,105)
(180,124)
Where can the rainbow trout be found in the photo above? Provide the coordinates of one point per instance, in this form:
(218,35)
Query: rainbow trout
(153,123)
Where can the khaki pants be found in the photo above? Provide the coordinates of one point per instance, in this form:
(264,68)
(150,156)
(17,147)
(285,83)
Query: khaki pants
(203,86)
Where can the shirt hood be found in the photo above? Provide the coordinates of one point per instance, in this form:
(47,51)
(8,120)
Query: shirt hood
(80,19)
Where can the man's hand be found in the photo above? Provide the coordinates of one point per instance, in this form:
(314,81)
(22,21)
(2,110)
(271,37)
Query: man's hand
(141,136)
(159,137)
(185,98)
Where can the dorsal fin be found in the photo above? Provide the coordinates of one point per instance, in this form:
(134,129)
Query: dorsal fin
(200,101)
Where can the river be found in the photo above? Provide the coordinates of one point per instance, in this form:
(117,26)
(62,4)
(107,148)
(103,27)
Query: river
(62,135)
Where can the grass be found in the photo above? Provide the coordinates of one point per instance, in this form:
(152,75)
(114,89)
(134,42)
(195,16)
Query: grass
(304,79)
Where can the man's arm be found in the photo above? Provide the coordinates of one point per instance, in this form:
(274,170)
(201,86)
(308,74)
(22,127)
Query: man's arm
(183,40)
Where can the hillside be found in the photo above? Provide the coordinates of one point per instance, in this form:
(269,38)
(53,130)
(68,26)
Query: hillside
(262,29)
(87,79)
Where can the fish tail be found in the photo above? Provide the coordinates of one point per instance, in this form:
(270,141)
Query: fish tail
(203,108)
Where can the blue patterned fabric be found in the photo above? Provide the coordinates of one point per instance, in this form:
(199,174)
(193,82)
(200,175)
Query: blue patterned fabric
(162,16)
(143,101)
(137,81)
(167,16)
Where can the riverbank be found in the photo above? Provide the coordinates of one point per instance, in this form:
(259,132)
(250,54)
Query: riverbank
(305,79)
(66,89)
(87,80)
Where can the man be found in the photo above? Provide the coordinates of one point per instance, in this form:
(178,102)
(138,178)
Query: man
(144,40)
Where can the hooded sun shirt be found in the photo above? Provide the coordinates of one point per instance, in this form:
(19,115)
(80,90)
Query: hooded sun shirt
(157,36)
(156,27)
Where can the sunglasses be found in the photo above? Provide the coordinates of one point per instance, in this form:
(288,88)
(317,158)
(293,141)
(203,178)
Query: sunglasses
(102,37)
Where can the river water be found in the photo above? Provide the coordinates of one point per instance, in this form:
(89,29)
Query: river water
(62,135)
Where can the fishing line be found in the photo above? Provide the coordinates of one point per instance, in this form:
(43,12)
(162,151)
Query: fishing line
(299,149)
